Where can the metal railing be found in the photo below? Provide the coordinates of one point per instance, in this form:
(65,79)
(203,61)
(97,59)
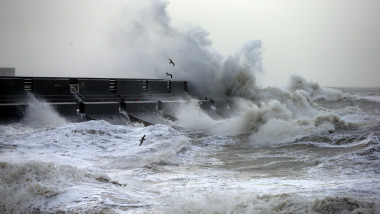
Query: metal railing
(74,89)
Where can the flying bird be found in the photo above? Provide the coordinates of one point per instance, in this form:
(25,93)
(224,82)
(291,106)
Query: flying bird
(142,140)
(171,76)
(171,62)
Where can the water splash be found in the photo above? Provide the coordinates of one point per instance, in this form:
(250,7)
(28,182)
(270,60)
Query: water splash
(41,114)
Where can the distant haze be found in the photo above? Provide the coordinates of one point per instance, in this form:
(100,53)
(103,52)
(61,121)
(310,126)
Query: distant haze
(334,43)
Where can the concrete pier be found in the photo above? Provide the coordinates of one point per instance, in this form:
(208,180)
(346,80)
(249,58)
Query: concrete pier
(117,101)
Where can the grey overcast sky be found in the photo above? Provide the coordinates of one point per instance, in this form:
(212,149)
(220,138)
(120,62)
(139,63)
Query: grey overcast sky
(331,42)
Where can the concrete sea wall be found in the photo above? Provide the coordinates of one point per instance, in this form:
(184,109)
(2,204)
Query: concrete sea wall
(118,101)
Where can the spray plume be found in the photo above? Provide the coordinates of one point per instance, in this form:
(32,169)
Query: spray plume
(125,39)
(40,114)
(134,39)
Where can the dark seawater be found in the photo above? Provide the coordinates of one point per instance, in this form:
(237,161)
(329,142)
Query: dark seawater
(297,151)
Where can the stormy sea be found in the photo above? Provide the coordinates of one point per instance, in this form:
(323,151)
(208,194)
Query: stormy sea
(303,149)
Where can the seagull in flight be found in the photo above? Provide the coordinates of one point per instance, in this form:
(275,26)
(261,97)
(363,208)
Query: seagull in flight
(171,62)
(142,140)
(167,74)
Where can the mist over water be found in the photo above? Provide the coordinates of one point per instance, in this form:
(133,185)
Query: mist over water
(300,149)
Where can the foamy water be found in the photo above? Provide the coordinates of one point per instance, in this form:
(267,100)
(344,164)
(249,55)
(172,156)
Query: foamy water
(303,149)
(286,155)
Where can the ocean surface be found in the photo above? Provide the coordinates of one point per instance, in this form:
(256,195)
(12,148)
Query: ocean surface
(299,150)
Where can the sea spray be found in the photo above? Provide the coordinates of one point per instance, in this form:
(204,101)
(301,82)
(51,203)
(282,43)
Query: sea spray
(233,78)
(314,91)
(274,116)
(278,151)
(41,114)
(28,184)
(96,167)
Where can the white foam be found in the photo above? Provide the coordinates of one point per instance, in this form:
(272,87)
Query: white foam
(268,196)
(314,90)
(29,184)
(247,117)
(359,143)
(95,165)
(94,147)
(373,98)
